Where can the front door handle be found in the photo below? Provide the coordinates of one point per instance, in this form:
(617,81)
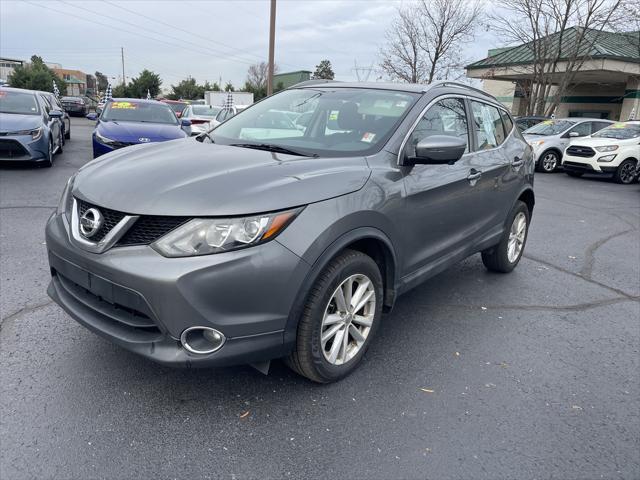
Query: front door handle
(474,175)
(517,162)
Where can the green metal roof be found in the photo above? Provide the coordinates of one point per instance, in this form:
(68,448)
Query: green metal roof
(623,46)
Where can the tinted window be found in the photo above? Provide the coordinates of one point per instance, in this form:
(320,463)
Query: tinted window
(18,102)
(446,117)
(205,110)
(506,119)
(128,111)
(582,129)
(488,125)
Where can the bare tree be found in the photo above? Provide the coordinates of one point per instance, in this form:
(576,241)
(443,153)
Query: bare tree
(557,51)
(257,75)
(425,39)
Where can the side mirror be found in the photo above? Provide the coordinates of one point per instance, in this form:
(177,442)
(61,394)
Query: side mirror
(574,134)
(185,122)
(55,114)
(92,116)
(438,149)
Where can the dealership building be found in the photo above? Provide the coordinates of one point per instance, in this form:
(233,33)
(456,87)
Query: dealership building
(607,85)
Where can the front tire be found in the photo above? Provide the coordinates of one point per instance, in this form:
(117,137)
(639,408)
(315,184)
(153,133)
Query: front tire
(626,172)
(67,132)
(505,256)
(548,162)
(60,142)
(341,316)
(48,163)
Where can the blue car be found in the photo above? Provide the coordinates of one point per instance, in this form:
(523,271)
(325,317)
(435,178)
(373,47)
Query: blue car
(126,121)
(30,129)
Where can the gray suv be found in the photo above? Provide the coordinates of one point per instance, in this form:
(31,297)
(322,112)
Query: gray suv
(263,239)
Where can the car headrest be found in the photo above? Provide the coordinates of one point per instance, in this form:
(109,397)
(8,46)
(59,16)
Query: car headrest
(348,116)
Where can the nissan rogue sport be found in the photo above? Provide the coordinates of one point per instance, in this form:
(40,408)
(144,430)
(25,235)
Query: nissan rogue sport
(263,239)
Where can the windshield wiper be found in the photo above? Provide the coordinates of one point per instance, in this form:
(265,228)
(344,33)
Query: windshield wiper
(274,148)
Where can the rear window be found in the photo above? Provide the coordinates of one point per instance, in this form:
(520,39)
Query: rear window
(19,103)
(205,110)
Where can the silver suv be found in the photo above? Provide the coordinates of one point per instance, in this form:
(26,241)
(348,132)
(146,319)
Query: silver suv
(263,239)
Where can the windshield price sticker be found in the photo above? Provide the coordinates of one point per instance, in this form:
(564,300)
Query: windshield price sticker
(368,137)
(618,125)
(124,105)
(333,115)
(548,122)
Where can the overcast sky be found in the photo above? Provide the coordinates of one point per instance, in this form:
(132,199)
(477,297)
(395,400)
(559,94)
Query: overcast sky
(209,40)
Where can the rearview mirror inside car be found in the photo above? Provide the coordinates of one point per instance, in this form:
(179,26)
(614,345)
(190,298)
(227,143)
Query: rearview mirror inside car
(437,149)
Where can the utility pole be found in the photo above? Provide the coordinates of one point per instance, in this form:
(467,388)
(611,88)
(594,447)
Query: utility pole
(272,40)
(124,82)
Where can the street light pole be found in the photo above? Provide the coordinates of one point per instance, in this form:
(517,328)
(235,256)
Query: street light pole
(272,40)
(124,82)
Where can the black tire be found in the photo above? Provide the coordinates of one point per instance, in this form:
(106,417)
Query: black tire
(60,143)
(67,132)
(308,358)
(48,163)
(541,165)
(574,174)
(496,259)
(626,172)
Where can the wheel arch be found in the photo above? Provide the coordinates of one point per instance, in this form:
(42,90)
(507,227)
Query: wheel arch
(368,240)
(528,197)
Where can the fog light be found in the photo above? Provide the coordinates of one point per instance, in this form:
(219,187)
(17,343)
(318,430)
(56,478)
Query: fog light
(202,340)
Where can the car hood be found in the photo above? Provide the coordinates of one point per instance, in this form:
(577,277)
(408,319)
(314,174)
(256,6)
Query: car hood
(12,122)
(599,141)
(132,131)
(189,178)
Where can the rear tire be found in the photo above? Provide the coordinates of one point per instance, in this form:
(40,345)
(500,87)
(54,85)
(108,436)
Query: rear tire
(325,313)
(505,256)
(626,172)
(575,174)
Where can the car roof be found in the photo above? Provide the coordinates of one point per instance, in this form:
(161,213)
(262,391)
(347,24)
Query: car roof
(19,90)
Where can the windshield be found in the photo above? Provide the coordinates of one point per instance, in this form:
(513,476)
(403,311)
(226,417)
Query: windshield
(619,131)
(205,110)
(129,111)
(320,121)
(550,127)
(18,102)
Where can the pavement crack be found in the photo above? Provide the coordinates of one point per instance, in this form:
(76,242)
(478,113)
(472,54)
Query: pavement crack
(589,253)
(579,275)
(22,311)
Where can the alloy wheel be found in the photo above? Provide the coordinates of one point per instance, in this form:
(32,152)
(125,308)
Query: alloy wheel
(627,172)
(549,162)
(517,236)
(347,319)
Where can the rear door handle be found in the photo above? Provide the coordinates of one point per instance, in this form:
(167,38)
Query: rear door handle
(517,162)
(474,175)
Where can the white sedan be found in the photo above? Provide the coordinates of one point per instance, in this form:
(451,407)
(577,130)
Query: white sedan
(613,150)
(201,117)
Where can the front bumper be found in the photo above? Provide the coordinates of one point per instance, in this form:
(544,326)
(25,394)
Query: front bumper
(143,301)
(588,164)
(23,148)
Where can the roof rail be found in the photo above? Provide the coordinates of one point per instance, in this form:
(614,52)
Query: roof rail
(317,81)
(444,83)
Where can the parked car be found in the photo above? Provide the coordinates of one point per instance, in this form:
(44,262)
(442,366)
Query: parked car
(550,138)
(30,130)
(523,123)
(54,104)
(75,105)
(613,150)
(200,117)
(130,121)
(225,250)
(176,105)
(226,113)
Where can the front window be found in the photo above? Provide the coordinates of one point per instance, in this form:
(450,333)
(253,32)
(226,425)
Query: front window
(18,102)
(446,117)
(129,111)
(550,127)
(320,121)
(619,131)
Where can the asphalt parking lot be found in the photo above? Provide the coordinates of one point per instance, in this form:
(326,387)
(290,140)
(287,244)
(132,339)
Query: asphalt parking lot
(474,375)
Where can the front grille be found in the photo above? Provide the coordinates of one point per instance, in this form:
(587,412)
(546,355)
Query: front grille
(111,219)
(578,151)
(576,166)
(148,229)
(12,149)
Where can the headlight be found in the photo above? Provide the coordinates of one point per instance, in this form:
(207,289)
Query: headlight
(536,143)
(202,236)
(64,206)
(35,133)
(607,148)
(105,140)
(607,158)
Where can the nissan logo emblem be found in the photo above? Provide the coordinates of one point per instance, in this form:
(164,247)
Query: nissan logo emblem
(90,222)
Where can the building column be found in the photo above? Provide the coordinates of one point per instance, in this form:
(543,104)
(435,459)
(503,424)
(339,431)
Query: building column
(631,100)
